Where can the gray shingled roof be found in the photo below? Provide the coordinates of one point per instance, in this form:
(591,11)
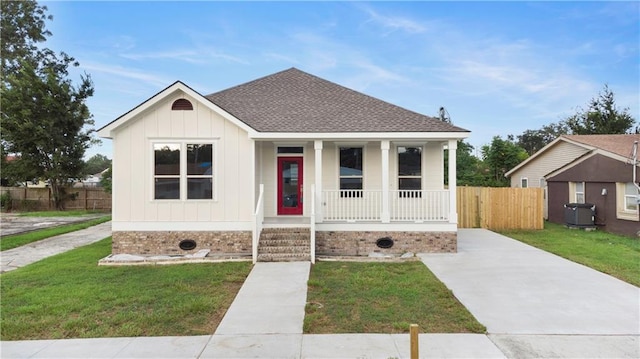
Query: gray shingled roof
(295,101)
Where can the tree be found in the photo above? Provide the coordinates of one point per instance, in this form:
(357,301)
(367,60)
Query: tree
(45,120)
(602,117)
(96,164)
(501,156)
(533,140)
(23,26)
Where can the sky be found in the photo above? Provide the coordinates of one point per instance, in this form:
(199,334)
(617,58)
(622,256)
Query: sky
(499,68)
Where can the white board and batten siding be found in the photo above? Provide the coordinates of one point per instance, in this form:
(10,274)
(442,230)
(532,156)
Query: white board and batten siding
(551,159)
(133,175)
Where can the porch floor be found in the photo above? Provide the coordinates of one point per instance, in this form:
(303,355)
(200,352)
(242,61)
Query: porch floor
(287,221)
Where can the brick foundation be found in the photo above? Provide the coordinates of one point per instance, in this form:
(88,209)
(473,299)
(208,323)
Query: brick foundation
(342,243)
(345,243)
(166,243)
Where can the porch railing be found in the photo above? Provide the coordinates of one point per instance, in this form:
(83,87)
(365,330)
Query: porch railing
(351,205)
(258,219)
(419,206)
(366,205)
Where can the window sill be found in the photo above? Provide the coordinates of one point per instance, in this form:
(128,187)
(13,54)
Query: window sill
(628,216)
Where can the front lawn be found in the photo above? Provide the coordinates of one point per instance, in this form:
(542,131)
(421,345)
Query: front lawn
(349,297)
(615,255)
(20,239)
(69,296)
(69,213)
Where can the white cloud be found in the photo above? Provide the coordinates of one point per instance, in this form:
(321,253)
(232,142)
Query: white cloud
(199,56)
(129,74)
(394,23)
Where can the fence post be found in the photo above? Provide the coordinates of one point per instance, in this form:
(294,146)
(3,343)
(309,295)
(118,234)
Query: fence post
(413,332)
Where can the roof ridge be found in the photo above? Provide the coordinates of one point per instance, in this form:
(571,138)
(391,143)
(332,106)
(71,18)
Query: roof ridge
(254,80)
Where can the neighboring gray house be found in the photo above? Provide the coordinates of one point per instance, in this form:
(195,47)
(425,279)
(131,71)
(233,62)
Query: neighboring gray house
(287,160)
(586,169)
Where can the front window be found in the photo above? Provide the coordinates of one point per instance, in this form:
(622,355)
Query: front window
(167,170)
(524,182)
(199,171)
(351,177)
(183,171)
(410,168)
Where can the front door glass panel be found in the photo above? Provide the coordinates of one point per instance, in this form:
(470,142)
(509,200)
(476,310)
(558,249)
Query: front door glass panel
(290,185)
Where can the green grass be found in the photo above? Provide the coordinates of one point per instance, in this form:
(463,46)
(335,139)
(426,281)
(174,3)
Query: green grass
(615,255)
(71,213)
(348,297)
(17,240)
(69,296)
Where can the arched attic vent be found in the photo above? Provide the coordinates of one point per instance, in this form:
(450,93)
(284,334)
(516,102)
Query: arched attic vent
(182,105)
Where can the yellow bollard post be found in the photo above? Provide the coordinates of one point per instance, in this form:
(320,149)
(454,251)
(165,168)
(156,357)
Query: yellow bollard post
(413,332)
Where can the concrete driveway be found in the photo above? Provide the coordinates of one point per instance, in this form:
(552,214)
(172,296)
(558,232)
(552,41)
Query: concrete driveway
(533,296)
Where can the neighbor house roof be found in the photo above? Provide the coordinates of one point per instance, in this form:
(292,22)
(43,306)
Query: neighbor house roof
(295,101)
(619,144)
(616,146)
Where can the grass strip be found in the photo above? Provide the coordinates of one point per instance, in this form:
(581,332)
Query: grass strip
(70,296)
(70,213)
(351,297)
(17,240)
(616,255)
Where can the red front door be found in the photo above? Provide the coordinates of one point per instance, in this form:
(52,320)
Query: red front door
(289,185)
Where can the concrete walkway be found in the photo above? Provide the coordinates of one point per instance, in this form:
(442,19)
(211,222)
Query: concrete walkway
(19,257)
(271,300)
(538,303)
(534,304)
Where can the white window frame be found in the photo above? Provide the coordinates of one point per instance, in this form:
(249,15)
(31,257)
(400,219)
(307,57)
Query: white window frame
(573,192)
(622,212)
(362,147)
(184,177)
(422,165)
(524,182)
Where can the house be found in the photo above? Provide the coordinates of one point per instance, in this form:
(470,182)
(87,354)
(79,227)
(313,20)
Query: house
(593,169)
(287,157)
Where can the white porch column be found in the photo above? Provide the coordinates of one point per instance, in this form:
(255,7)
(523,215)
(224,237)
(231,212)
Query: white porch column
(385,216)
(317,146)
(453,211)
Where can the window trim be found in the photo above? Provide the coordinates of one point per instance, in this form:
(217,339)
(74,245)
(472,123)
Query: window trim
(362,147)
(184,177)
(422,166)
(573,192)
(524,182)
(621,205)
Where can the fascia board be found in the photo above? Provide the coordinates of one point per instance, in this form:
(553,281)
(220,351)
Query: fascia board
(359,135)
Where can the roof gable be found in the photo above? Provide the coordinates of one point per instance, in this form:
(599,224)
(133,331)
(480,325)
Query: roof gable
(107,130)
(615,146)
(293,101)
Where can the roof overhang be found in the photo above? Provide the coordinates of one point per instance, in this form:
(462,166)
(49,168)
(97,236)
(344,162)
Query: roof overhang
(328,136)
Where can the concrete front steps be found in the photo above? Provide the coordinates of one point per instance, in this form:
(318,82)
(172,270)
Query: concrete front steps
(284,245)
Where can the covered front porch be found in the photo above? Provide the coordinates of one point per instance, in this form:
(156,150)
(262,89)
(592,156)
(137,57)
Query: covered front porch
(367,186)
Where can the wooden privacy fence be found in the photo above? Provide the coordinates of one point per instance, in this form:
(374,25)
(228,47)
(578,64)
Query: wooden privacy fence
(499,208)
(38,199)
